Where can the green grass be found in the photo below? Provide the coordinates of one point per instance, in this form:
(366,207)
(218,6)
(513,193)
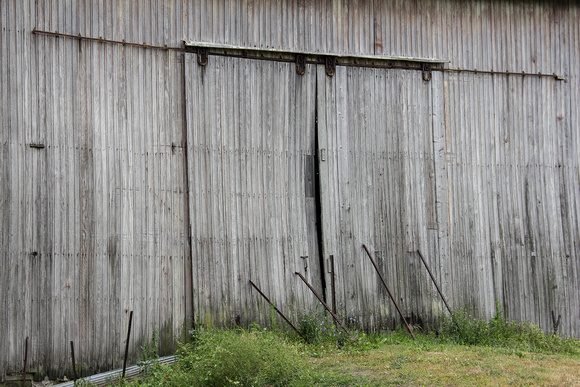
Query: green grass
(241,358)
(466,351)
(464,329)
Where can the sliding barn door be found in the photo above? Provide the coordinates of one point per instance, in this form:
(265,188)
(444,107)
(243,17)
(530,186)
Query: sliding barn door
(251,174)
(378,189)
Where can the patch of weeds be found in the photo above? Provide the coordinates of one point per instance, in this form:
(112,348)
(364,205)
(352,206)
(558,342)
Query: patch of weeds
(465,329)
(221,358)
(366,342)
(318,328)
(398,362)
(149,354)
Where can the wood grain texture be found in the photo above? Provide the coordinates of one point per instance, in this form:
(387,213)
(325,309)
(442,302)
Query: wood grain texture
(251,130)
(92,223)
(374,189)
(478,171)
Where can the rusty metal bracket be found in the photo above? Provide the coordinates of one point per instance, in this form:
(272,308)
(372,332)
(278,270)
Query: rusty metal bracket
(330,64)
(332,284)
(202,56)
(305,260)
(25,363)
(426,67)
(300,64)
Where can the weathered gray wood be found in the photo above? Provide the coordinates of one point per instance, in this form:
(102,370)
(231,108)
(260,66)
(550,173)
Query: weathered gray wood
(76,187)
(102,204)
(5,185)
(268,133)
(352,137)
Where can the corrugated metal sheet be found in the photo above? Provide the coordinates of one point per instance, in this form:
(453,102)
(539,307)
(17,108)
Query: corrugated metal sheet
(103,203)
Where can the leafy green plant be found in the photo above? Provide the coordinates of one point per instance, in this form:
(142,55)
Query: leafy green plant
(463,328)
(219,358)
(310,325)
(149,354)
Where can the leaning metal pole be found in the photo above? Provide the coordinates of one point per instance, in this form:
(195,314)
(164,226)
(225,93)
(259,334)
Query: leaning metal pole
(127,344)
(434,282)
(438,289)
(277,310)
(334,316)
(409,328)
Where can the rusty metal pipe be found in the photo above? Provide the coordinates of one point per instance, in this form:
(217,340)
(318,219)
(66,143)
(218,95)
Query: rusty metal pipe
(438,289)
(100,39)
(72,354)
(334,316)
(127,344)
(322,58)
(435,282)
(409,328)
(277,310)
(494,72)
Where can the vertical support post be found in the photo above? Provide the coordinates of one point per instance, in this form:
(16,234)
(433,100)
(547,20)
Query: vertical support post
(333,288)
(188,261)
(127,344)
(441,164)
(25,363)
(74,365)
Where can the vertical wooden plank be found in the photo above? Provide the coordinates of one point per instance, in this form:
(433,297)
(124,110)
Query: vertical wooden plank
(5,185)
(439,100)
(191,153)
(572,265)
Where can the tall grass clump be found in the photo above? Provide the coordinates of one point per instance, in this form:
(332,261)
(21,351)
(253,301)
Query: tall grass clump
(463,328)
(236,357)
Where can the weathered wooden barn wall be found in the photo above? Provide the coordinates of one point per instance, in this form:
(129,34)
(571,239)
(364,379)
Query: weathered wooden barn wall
(512,179)
(493,203)
(92,223)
